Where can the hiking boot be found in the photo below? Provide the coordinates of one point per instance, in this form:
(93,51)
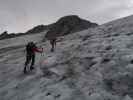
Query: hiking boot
(52,50)
(25,71)
(31,68)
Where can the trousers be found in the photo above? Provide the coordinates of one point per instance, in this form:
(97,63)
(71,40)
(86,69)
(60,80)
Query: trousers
(30,59)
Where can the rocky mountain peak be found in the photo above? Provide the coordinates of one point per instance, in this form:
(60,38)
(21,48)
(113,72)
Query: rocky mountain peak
(69,24)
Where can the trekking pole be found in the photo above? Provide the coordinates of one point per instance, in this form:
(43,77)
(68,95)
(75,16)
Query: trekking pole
(40,63)
(41,57)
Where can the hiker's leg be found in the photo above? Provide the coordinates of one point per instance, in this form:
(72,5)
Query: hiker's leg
(52,49)
(28,59)
(55,43)
(51,46)
(33,62)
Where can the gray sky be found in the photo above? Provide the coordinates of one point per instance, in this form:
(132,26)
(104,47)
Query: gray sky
(21,15)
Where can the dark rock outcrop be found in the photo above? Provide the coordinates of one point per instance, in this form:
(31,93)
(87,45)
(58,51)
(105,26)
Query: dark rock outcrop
(38,29)
(5,35)
(67,25)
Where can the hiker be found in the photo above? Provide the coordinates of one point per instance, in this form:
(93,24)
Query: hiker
(31,48)
(53,44)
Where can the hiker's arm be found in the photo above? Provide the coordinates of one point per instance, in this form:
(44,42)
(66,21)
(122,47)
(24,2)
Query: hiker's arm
(38,50)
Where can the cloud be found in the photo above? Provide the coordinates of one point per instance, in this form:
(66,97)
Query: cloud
(21,15)
(111,9)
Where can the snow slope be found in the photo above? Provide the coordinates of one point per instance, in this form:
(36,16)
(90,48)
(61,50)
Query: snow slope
(94,64)
(22,40)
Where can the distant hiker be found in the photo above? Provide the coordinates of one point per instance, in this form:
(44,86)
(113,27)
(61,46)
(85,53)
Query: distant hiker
(31,48)
(53,44)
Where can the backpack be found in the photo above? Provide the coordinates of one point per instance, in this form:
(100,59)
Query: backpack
(29,47)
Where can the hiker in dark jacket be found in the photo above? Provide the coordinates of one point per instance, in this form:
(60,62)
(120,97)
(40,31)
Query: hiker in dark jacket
(31,49)
(53,44)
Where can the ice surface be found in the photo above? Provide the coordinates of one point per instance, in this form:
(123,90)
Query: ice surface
(94,64)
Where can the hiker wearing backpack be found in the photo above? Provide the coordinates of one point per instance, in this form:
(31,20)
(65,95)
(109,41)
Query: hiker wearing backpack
(31,49)
(53,44)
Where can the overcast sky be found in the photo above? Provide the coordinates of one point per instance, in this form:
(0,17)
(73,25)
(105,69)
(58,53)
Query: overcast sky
(21,15)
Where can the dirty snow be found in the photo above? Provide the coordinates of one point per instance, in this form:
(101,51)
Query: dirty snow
(94,64)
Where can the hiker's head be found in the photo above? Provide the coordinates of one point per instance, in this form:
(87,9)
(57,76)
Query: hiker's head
(53,38)
(31,43)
